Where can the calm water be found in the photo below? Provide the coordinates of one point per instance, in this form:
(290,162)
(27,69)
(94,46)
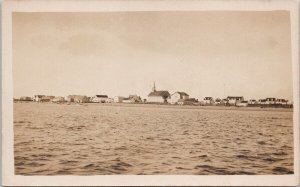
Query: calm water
(95,139)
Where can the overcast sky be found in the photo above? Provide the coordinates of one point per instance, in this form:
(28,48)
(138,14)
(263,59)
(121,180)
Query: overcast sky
(213,53)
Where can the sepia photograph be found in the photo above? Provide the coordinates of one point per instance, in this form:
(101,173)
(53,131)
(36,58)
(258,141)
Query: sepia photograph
(148,92)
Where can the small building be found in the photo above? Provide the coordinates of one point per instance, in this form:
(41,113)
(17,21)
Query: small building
(242,104)
(109,100)
(189,101)
(270,101)
(58,100)
(253,102)
(118,99)
(175,97)
(262,101)
(233,100)
(46,99)
(127,100)
(290,103)
(281,101)
(81,99)
(224,101)
(25,98)
(135,98)
(218,101)
(130,99)
(38,98)
(158,96)
(208,100)
(70,98)
(99,99)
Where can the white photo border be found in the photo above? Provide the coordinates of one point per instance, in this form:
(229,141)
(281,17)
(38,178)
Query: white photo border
(9,6)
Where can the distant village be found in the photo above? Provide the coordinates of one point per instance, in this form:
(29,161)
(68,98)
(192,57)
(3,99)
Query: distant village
(162,97)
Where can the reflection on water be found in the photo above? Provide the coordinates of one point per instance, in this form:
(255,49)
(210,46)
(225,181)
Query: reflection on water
(95,139)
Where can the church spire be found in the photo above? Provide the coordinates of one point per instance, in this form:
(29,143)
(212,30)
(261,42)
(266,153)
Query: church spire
(154,89)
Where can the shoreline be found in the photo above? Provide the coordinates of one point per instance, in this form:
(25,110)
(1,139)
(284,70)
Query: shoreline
(152,105)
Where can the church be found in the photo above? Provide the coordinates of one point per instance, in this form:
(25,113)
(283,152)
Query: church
(158,96)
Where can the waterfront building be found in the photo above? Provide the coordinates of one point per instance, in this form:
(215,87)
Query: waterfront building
(135,98)
(118,99)
(189,101)
(38,98)
(158,96)
(175,97)
(126,100)
(242,104)
(58,99)
(46,98)
(253,102)
(208,100)
(224,101)
(99,99)
(262,101)
(281,101)
(70,98)
(25,98)
(233,100)
(270,101)
(218,101)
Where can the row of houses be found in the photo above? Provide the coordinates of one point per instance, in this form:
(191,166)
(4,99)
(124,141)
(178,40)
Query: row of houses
(179,98)
(160,96)
(182,98)
(240,101)
(82,99)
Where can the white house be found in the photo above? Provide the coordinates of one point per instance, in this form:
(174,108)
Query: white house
(126,100)
(233,100)
(281,101)
(242,104)
(158,96)
(118,99)
(58,99)
(25,98)
(38,97)
(291,103)
(208,100)
(99,99)
(218,101)
(253,101)
(109,100)
(132,99)
(262,101)
(224,101)
(270,101)
(175,97)
(47,98)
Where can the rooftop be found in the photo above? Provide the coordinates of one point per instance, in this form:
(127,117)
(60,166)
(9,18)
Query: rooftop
(182,93)
(235,97)
(102,96)
(159,94)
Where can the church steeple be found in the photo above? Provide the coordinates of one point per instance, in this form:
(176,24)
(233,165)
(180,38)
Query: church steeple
(154,89)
